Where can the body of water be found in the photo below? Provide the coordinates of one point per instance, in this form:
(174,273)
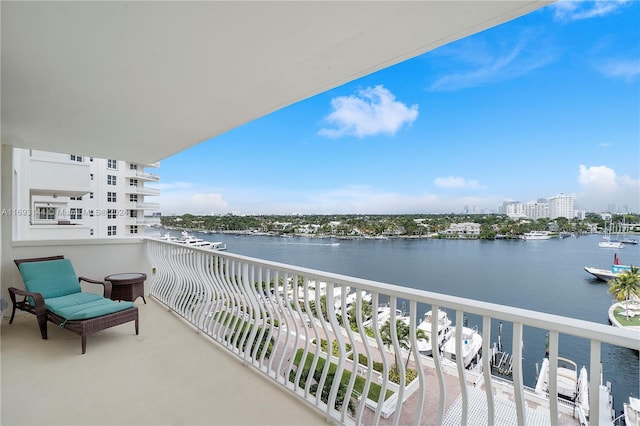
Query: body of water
(541,275)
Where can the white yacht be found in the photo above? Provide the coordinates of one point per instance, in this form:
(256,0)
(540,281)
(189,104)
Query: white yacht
(444,331)
(536,235)
(192,241)
(471,346)
(574,387)
(384,315)
(632,412)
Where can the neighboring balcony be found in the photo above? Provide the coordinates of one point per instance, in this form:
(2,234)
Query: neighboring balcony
(148,220)
(58,178)
(136,174)
(142,190)
(147,206)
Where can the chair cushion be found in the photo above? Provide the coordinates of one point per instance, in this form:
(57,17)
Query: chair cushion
(92,309)
(51,278)
(74,299)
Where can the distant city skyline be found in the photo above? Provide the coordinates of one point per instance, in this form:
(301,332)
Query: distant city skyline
(545,104)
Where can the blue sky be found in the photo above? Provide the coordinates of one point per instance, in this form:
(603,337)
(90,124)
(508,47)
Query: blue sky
(546,104)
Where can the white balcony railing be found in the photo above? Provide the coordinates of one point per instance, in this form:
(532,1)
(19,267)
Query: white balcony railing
(147,220)
(147,206)
(274,318)
(143,190)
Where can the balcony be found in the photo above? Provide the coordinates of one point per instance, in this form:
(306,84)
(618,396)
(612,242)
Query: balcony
(147,206)
(168,374)
(142,190)
(240,318)
(136,174)
(52,177)
(148,220)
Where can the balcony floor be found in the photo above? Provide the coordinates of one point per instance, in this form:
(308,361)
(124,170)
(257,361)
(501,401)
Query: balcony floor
(169,374)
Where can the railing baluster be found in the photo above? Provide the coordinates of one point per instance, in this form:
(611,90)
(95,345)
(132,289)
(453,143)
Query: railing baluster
(435,351)
(594,382)
(517,374)
(486,368)
(460,364)
(553,377)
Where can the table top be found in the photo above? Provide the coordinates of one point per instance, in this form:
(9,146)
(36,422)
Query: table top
(128,276)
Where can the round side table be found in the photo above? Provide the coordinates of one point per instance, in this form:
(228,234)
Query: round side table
(127,286)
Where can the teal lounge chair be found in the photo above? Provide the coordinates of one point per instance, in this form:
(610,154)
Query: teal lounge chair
(53,294)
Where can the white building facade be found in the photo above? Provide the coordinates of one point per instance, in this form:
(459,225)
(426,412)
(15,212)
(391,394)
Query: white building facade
(561,206)
(63,196)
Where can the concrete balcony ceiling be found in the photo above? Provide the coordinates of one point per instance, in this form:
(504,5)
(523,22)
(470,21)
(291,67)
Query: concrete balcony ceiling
(140,81)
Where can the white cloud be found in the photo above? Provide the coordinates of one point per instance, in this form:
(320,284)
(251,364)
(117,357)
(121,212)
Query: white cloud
(601,186)
(479,63)
(627,69)
(566,11)
(457,183)
(372,111)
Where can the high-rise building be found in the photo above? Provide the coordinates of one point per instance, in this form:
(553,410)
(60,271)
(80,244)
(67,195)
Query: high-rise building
(561,206)
(62,196)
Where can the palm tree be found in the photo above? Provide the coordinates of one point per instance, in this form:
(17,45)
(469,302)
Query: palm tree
(403,333)
(625,286)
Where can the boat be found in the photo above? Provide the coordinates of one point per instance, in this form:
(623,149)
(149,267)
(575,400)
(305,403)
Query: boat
(536,235)
(607,242)
(608,274)
(444,331)
(570,386)
(471,345)
(631,412)
(192,241)
(350,300)
(384,315)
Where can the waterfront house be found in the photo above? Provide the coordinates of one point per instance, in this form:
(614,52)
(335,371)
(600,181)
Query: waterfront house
(140,81)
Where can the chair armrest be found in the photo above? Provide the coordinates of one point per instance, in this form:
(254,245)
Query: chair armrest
(105,284)
(38,299)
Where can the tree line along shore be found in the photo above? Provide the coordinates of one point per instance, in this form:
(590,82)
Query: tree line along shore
(458,226)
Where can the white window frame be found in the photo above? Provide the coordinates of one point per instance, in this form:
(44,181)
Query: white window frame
(112,164)
(111,179)
(111,197)
(112,230)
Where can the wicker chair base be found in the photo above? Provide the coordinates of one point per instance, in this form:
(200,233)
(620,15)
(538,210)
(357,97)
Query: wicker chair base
(92,325)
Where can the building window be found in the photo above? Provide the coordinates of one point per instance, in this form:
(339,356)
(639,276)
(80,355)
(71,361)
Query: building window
(111,230)
(133,182)
(111,180)
(133,167)
(46,213)
(111,213)
(75,214)
(75,198)
(91,176)
(91,231)
(77,158)
(91,195)
(90,214)
(133,229)
(133,213)
(112,164)
(133,198)
(111,197)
